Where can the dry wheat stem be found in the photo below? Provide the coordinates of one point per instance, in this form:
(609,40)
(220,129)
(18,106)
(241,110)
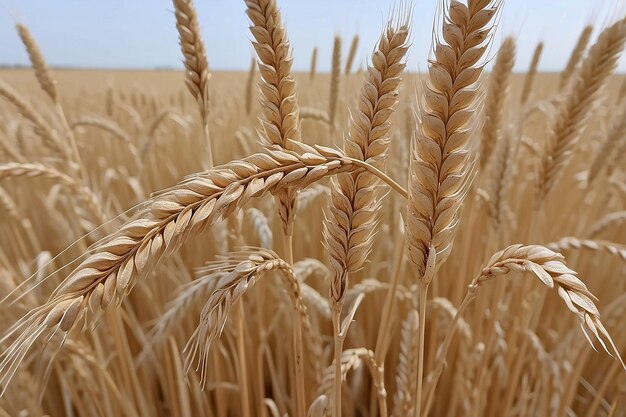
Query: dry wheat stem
(351,217)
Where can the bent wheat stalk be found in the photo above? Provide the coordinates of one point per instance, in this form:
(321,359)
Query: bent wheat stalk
(159,227)
(548,267)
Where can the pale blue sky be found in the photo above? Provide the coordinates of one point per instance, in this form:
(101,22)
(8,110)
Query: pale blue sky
(141,33)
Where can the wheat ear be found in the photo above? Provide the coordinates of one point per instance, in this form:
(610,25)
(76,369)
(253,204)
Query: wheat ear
(281,114)
(42,128)
(496,98)
(607,155)
(35,170)
(114,129)
(407,367)
(250,85)
(529,79)
(602,224)
(501,177)
(576,56)
(313,69)
(568,243)
(42,72)
(441,158)
(351,54)
(195,61)
(349,228)
(335,74)
(233,276)
(574,111)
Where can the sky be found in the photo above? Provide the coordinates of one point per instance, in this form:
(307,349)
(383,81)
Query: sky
(142,33)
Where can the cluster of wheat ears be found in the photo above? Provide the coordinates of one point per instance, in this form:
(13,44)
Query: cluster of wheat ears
(408,238)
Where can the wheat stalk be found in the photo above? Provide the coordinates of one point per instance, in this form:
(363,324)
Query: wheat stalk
(34,170)
(549,268)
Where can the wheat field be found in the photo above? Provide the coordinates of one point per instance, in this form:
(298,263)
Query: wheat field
(365,242)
